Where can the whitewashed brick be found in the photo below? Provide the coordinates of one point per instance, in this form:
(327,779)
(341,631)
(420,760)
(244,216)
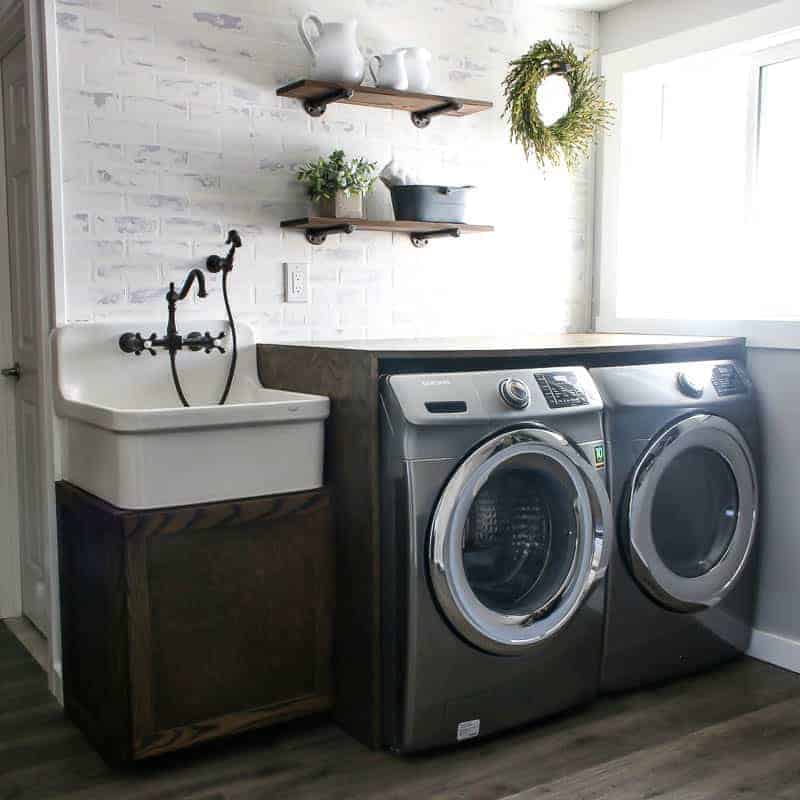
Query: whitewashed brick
(173,134)
(194,136)
(125,177)
(190,182)
(187,226)
(160,203)
(127,79)
(156,156)
(124,225)
(186,89)
(159,250)
(121,131)
(155,108)
(157,57)
(77,198)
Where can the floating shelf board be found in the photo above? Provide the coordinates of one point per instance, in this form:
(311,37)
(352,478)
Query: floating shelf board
(316,95)
(317,228)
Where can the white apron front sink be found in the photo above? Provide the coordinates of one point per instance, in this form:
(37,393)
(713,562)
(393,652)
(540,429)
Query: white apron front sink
(126,438)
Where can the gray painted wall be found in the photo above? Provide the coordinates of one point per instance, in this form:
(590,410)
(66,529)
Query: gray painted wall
(777,376)
(644,20)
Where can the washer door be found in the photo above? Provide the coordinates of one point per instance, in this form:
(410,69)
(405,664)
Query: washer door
(518,538)
(691,513)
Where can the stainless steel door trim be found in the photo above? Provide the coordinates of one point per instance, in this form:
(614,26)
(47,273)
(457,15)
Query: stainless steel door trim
(674,591)
(489,630)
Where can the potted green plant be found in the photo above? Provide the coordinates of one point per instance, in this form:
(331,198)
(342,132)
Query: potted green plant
(338,184)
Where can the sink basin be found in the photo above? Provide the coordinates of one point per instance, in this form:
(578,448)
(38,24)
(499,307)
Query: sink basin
(126,438)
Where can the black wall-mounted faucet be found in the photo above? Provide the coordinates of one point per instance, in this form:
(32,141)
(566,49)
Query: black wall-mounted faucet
(173,341)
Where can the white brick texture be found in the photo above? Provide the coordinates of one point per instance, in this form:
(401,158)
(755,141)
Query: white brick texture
(173,134)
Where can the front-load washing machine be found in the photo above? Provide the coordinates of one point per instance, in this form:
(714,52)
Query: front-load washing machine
(495,526)
(683,455)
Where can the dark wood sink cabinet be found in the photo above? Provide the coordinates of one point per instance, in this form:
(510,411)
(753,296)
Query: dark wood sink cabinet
(185,624)
(348,373)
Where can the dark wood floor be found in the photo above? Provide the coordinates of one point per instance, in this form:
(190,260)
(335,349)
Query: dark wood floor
(734,733)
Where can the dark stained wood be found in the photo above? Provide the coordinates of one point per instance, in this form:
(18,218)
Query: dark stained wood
(728,733)
(381,98)
(395,226)
(349,379)
(348,372)
(183,625)
(597,348)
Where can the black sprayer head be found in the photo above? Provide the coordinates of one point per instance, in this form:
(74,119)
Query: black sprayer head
(216,263)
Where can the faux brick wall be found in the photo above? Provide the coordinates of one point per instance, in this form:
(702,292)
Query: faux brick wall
(173,134)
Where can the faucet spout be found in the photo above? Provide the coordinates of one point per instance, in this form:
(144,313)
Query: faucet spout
(194,275)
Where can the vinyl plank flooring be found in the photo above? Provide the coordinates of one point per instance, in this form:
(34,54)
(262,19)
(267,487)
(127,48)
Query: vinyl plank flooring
(729,733)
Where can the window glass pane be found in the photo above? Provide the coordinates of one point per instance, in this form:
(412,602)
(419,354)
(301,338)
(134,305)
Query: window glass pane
(775,206)
(706,229)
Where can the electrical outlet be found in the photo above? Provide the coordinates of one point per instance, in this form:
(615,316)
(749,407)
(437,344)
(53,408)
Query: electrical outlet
(295,282)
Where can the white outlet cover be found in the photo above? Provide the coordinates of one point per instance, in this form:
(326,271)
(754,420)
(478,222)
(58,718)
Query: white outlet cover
(295,282)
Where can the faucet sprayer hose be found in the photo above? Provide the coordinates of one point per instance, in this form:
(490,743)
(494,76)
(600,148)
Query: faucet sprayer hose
(234,352)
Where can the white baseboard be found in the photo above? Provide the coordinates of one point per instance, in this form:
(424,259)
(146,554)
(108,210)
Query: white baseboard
(775,649)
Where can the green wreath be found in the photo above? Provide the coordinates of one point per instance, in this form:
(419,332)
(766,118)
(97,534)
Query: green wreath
(569,139)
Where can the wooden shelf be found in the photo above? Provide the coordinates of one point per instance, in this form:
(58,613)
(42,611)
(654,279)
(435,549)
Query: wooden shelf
(316,95)
(317,228)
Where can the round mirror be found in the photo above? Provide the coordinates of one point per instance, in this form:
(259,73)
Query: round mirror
(553,98)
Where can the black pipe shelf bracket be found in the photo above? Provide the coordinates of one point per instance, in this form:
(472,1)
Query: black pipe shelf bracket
(318,236)
(422,119)
(420,239)
(317,106)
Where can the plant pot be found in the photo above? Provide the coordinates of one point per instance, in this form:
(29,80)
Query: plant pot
(430,203)
(342,206)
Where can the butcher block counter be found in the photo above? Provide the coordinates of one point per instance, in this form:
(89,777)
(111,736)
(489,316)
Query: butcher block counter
(348,373)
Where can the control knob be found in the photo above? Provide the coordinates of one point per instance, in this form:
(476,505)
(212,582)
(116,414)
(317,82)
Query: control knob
(515,393)
(691,385)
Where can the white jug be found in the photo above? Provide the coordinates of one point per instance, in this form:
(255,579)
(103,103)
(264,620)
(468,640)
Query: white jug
(418,68)
(334,50)
(391,72)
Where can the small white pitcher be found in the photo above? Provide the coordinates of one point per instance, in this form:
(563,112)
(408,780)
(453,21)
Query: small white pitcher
(418,68)
(391,72)
(334,50)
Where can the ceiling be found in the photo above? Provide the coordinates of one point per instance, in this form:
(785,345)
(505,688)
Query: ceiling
(587,5)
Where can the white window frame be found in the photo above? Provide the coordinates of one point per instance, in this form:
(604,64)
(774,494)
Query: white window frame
(776,29)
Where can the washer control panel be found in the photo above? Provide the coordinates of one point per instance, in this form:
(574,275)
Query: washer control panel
(727,381)
(562,389)
(459,398)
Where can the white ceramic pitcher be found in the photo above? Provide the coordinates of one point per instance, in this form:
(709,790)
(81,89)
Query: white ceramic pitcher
(418,68)
(334,49)
(391,73)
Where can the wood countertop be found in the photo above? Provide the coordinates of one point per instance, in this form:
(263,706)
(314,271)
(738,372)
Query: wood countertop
(535,345)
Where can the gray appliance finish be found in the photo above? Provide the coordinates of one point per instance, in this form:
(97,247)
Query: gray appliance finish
(495,523)
(683,453)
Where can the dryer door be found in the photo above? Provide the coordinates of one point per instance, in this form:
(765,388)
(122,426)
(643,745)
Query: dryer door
(691,513)
(518,538)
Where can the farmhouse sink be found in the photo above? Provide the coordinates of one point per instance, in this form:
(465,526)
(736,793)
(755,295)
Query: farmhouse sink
(126,438)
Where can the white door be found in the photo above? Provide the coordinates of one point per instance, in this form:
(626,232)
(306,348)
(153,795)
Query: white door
(23,393)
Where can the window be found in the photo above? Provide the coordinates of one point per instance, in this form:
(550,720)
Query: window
(700,205)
